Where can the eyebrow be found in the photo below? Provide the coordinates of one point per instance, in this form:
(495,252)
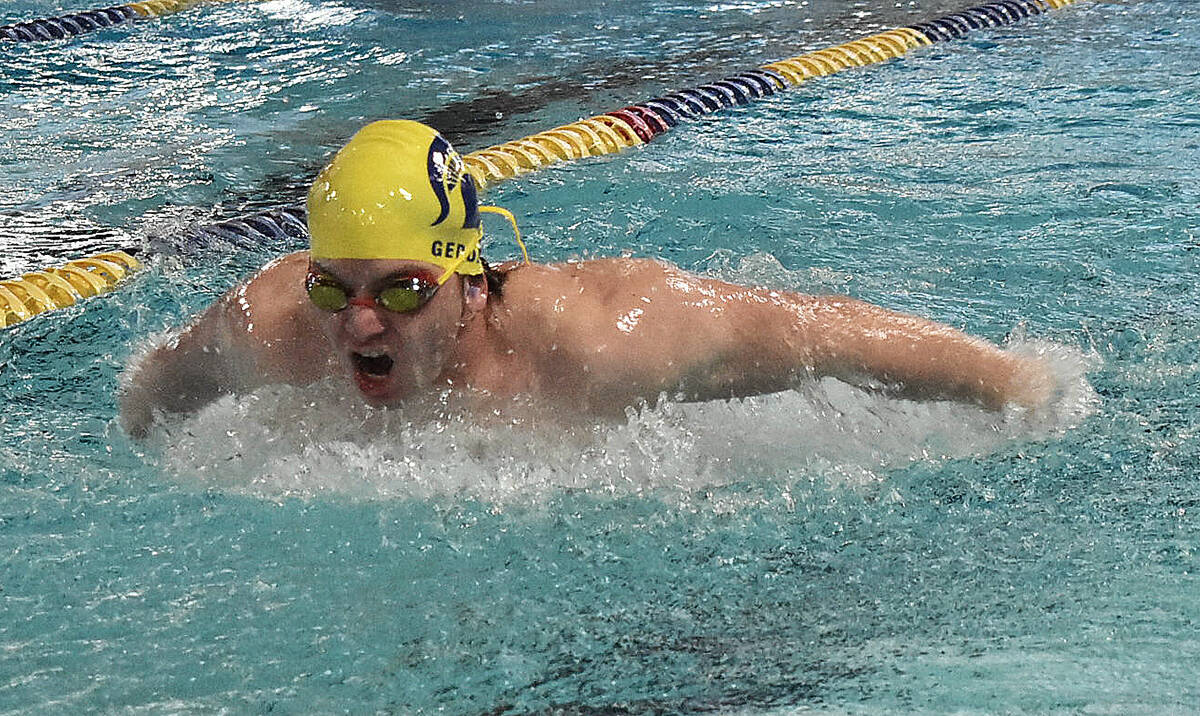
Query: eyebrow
(316,267)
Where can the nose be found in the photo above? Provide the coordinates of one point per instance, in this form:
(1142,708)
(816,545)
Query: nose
(363,320)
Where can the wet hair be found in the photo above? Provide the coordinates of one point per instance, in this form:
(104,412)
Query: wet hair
(495,279)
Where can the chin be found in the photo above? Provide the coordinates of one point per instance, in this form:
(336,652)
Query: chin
(380,391)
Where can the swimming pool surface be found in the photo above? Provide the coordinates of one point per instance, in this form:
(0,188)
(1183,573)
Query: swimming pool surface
(822,550)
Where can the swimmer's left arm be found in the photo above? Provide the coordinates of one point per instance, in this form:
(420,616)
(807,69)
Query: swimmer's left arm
(918,358)
(624,330)
(749,341)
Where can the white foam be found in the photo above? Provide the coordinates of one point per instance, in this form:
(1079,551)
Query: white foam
(290,442)
(310,15)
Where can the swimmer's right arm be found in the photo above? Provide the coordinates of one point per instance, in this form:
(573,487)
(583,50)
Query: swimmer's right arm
(184,373)
(259,333)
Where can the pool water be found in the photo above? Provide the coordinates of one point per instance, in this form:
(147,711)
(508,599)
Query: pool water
(822,550)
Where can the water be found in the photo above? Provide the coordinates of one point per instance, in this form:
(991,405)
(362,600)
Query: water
(823,550)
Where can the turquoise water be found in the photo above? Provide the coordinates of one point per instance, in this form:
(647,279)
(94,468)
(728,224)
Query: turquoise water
(823,550)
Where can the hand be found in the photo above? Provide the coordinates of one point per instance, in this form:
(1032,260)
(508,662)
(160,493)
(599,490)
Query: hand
(1032,384)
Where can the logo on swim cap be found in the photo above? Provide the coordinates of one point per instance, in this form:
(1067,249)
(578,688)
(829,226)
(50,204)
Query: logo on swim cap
(446,171)
(397,190)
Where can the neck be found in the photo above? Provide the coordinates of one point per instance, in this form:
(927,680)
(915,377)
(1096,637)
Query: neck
(479,353)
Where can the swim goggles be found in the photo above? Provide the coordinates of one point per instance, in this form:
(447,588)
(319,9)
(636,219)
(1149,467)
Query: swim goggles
(406,295)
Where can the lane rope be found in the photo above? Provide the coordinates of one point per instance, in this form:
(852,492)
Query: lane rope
(78,23)
(602,134)
(636,124)
(61,286)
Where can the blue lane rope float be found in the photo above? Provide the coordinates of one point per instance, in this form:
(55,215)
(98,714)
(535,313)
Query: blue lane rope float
(606,133)
(78,23)
(274,230)
(639,123)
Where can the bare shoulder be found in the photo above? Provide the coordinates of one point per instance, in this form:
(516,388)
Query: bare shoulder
(268,318)
(590,331)
(660,298)
(254,334)
(271,300)
(594,284)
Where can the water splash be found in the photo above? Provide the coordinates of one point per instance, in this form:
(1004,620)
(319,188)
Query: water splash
(286,442)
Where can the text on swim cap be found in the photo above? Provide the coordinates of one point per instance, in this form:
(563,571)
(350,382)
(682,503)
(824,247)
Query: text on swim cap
(451,250)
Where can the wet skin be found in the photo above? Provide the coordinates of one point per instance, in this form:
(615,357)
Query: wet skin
(577,339)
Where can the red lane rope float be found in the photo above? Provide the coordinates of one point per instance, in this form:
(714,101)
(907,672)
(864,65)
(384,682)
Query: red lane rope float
(58,287)
(63,26)
(639,123)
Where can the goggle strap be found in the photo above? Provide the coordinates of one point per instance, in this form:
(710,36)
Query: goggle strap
(516,232)
(461,259)
(512,220)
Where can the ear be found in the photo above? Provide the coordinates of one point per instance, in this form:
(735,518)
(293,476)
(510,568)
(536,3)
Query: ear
(475,293)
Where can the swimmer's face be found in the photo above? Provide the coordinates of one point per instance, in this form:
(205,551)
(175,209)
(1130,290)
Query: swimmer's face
(390,355)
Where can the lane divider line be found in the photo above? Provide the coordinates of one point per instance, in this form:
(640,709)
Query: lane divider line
(78,23)
(58,287)
(636,124)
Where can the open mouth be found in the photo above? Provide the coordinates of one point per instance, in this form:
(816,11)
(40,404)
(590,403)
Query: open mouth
(374,365)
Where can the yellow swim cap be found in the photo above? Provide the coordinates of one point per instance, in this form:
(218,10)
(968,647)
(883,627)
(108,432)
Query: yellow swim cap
(397,190)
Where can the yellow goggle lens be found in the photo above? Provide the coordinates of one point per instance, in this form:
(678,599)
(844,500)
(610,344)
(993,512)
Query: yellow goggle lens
(400,299)
(327,297)
(405,296)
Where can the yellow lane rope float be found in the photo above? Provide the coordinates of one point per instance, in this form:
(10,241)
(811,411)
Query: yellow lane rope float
(63,26)
(639,123)
(61,286)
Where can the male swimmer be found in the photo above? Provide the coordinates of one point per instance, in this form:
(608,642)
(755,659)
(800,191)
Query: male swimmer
(394,300)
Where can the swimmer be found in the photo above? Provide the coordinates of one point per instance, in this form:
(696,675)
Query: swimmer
(394,301)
